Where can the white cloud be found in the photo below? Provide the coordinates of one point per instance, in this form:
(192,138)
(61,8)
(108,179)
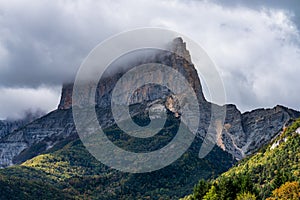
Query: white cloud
(15,102)
(256,50)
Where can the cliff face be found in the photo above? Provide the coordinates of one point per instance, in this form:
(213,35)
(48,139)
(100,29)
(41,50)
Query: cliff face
(240,135)
(66,97)
(181,61)
(7,127)
(10,125)
(36,137)
(245,133)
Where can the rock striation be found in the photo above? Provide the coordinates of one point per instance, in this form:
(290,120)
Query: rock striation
(244,133)
(9,125)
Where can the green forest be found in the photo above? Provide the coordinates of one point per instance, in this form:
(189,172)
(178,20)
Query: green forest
(273,173)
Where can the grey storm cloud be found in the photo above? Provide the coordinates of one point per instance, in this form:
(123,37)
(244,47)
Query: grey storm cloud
(43,43)
(255,44)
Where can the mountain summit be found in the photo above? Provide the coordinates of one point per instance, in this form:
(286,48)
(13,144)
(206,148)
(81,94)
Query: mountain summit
(180,60)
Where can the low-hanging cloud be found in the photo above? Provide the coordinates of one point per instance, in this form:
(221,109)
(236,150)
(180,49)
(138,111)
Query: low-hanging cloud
(255,49)
(16,103)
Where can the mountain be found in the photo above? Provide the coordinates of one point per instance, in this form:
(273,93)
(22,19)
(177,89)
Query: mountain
(71,169)
(243,134)
(273,167)
(48,151)
(9,125)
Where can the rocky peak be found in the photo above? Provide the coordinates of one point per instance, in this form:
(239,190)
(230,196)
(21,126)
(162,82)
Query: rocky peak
(180,60)
(179,47)
(66,96)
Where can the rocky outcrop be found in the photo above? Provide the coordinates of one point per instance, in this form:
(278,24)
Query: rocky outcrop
(7,127)
(180,61)
(36,137)
(66,97)
(10,125)
(245,133)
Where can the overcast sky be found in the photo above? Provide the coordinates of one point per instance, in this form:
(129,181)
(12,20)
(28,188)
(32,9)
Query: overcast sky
(255,45)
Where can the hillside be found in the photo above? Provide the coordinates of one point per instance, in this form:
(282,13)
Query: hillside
(272,166)
(75,173)
(9,125)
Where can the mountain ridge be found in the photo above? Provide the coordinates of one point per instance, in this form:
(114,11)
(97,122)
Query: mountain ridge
(242,133)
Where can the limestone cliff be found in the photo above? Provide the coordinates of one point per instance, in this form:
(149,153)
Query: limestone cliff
(245,133)
(180,61)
